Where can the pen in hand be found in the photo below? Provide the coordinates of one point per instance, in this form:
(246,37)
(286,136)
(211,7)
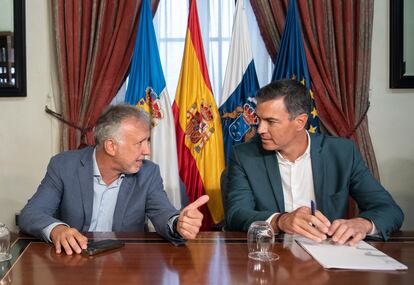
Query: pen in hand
(313,208)
(313,212)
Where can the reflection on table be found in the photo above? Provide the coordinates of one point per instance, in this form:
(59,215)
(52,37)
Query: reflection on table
(214,258)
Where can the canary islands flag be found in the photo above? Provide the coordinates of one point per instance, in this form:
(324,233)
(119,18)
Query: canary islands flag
(198,126)
(291,59)
(147,90)
(238,104)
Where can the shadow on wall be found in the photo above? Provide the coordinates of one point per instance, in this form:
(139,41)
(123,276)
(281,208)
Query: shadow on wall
(397,176)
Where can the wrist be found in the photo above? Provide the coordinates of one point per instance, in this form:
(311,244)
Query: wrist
(276,222)
(175,222)
(174,228)
(56,230)
(367,224)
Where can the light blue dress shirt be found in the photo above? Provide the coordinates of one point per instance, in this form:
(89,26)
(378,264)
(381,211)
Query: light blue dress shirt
(104,202)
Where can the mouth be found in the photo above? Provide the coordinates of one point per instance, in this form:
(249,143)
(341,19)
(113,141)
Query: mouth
(265,139)
(268,143)
(138,162)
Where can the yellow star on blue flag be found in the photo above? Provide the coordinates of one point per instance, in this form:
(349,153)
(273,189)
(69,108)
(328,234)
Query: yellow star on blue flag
(291,59)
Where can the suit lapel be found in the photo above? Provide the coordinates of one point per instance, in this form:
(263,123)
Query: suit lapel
(85,174)
(125,192)
(273,173)
(317,170)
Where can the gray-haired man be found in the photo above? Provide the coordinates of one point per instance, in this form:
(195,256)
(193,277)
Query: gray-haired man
(109,187)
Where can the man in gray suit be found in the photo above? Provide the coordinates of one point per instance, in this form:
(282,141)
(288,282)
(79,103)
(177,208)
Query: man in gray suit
(109,187)
(276,175)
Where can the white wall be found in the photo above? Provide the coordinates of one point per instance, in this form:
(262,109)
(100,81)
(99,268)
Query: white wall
(28,136)
(390,122)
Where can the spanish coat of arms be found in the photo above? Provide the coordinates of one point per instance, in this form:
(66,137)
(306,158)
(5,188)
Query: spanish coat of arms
(200,125)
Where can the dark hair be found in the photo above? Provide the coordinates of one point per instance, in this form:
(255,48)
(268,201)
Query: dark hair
(296,97)
(110,121)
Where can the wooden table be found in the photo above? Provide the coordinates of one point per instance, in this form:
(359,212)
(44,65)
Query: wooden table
(214,258)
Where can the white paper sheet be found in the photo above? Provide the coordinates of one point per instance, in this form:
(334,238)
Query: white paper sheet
(360,257)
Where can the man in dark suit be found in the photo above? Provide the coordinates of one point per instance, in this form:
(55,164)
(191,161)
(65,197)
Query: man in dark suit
(109,187)
(277,174)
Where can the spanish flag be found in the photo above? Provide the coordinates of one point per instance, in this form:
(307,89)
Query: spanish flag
(198,126)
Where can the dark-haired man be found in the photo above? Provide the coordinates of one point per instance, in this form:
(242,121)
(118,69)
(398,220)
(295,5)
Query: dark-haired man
(107,188)
(276,175)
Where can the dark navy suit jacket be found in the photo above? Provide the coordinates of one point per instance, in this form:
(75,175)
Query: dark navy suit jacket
(253,191)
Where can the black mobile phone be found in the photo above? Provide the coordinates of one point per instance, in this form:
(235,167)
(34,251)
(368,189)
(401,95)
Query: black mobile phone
(95,247)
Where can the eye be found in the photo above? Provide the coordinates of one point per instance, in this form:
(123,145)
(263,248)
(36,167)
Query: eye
(140,143)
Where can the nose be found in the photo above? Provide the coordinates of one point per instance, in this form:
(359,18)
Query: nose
(147,148)
(261,129)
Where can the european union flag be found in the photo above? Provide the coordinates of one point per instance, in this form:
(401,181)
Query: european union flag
(291,59)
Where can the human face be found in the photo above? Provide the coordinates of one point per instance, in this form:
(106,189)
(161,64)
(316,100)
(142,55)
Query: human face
(278,133)
(132,147)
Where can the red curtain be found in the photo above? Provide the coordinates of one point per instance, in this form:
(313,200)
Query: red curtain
(94,45)
(337,37)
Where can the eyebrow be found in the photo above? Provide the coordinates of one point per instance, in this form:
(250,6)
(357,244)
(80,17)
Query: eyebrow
(269,119)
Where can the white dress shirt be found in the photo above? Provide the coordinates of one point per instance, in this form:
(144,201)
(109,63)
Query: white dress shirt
(297,182)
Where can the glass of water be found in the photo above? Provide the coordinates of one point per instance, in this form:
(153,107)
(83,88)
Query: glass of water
(4,243)
(260,240)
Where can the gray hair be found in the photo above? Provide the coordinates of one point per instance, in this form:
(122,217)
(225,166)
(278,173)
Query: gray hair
(296,97)
(109,123)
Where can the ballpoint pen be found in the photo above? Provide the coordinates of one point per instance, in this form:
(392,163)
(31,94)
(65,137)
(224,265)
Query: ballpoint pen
(313,211)
(313,207)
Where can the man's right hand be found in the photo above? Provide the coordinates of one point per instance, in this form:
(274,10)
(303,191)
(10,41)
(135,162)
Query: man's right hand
(302,222)
(69,238)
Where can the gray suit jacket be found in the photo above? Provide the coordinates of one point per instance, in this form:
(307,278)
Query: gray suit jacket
(66,195)
(254,188)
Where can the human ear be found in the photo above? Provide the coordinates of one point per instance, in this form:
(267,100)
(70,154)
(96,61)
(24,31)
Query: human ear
(110,146)
(301,121)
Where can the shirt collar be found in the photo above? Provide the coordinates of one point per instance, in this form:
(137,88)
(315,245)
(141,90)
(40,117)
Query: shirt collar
(303,156)
(96,172)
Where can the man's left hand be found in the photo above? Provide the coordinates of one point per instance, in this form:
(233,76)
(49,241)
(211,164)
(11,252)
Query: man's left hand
(190,219)
(349,231)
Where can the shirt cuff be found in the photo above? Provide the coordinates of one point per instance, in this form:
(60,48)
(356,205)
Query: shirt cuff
(47,230)
(374,231)
(271,217)
(172,226)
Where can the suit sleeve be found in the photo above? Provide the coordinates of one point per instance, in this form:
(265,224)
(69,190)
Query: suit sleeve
(159,209)
(374,202)
(239,198)
(40,210)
